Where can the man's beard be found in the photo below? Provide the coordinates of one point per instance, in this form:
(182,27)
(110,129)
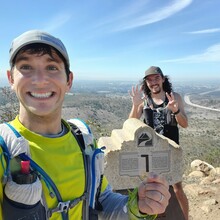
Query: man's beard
(157,91)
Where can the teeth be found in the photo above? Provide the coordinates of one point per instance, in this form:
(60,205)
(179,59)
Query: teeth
(41,95)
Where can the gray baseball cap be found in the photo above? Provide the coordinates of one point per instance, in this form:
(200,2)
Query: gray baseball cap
(37,36)
(153,70)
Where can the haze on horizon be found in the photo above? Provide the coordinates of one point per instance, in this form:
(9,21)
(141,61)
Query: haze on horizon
(119,40)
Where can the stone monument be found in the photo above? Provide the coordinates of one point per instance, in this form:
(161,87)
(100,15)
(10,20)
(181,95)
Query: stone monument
(135,150)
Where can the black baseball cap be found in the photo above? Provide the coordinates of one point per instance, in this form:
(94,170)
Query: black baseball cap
(153,70)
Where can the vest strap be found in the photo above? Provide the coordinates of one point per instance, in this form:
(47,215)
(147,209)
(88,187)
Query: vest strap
(65,206)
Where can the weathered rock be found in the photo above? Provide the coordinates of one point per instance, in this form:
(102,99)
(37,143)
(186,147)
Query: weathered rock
(206,209)
(192,190)
(207,180)
(210,202)
(217,169)
(202,166)
(217,181)
(197,173)
(137,149)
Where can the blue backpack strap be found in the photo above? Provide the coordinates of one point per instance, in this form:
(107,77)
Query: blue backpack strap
(76,129)
(87,143)
(9,134)
(62,206)
(95,160)
(17,134)
(7,157)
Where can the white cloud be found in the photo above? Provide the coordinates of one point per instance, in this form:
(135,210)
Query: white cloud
(137,14)
(132,9)
(205,31)
(58,21)
(211,54)
(158,15)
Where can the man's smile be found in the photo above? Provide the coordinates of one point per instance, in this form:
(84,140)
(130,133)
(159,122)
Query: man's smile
(41,95)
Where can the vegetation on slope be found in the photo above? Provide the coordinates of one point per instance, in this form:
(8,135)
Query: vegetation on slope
(201,140)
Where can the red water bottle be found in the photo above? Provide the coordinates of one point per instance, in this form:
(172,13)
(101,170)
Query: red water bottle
(25,167)
(25,175)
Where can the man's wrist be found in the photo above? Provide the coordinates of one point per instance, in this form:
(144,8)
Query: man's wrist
(176,112)
(133,209)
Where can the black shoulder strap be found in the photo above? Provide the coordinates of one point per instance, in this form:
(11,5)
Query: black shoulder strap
(78,135)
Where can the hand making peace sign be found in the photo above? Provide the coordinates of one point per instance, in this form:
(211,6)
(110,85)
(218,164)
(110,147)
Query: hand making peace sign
(172,104)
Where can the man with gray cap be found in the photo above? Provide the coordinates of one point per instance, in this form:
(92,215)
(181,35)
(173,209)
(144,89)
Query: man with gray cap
(52,168)
(163,110)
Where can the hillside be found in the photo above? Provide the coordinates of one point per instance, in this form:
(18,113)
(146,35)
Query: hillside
(107,106)
(201,140)
(107,112)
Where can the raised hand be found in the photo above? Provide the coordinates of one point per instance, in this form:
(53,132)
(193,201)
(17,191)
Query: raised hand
(172,104)
(136,95)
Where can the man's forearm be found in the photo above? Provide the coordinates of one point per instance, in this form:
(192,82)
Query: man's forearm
(181,119)
(134,112)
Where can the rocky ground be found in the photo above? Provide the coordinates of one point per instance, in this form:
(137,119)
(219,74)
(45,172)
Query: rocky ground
(202,187)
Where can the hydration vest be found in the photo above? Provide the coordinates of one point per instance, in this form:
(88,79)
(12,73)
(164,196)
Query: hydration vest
(26,201)
(161,119)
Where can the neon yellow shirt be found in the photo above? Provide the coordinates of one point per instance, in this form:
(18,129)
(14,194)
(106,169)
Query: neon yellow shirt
(61,158)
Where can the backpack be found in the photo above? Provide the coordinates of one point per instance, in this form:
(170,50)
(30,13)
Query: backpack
(169,127)
(16,146)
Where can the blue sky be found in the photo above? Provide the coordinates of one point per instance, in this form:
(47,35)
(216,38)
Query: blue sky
(120,39)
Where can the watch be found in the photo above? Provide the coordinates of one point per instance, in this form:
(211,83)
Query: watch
(177,112)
